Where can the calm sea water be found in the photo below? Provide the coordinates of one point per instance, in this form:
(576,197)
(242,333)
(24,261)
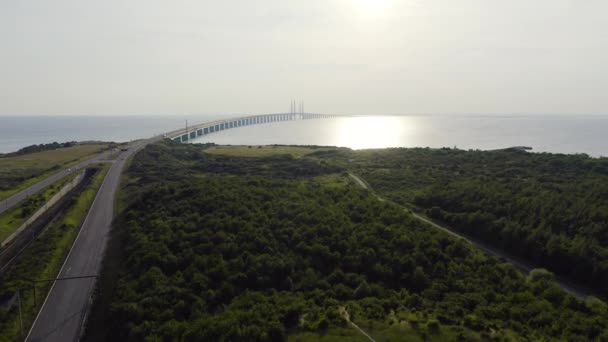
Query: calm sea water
(545,133)
(17,132)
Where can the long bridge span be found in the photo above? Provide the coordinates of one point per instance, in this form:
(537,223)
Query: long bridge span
(65,309)
(188,133)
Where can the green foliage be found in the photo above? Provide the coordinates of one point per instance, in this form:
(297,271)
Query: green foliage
(22,169)
(232,248)
(540,275)
(12,219)
(43,259)
(43,147)
(550,209)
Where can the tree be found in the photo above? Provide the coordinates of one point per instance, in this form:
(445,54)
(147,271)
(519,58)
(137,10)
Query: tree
(363,290)
(419,279)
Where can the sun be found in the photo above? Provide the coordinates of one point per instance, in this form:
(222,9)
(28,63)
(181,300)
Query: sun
(373,5)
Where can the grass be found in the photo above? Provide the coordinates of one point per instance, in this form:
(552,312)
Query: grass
(44,258)
(416,326)
(263,151)
(380,332)
(20,172)
(14,218)
(78,212)
(334,180)
(332,335)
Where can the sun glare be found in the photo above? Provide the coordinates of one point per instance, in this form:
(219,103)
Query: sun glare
(372,132)
(373,5)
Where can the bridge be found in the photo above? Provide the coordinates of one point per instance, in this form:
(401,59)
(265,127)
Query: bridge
(64,310)
(184,135)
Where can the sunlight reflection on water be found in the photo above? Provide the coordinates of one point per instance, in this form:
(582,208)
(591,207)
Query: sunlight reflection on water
(548,133)
(369,132)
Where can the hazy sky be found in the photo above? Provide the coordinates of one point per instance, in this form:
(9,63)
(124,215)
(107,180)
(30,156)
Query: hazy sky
(116,57)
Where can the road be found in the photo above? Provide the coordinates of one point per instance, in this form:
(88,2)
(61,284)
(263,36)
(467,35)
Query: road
(522,265)
(11,201)
(63,312)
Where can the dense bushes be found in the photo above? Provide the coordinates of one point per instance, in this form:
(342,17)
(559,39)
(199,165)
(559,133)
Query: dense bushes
(214,253)
(547,208)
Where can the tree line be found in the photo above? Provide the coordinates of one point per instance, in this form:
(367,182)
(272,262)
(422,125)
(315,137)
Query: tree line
(235,248)
(550,209)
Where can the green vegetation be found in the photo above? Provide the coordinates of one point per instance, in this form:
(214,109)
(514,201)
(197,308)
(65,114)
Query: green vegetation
(14,218)
(263,151)
(18,172)
(43,259)
(41,147)
(220,247)
(549,209)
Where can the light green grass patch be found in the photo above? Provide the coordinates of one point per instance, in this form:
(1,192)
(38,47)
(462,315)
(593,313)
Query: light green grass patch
(40,163)
(332,335)
(264,151)
(335,180)
(44,159)
(77,213)
(14,218)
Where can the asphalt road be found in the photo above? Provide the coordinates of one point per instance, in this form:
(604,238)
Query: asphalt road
(11,201)
(64,310)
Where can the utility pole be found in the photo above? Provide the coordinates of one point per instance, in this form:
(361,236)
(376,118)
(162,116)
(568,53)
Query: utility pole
(34,281)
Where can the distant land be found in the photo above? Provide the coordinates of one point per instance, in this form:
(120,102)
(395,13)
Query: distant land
(544,133)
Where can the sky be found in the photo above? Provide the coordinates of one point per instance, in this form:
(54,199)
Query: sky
(187,57)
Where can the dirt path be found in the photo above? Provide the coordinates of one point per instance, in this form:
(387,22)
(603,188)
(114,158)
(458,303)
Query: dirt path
(346,317)
(520,264)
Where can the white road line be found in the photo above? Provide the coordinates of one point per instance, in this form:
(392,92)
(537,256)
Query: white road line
(69,253)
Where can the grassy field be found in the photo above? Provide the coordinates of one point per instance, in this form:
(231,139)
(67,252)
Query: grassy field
(43,259)
(19,172)
(403,331)
(332,335)
(14,218)
(264,151)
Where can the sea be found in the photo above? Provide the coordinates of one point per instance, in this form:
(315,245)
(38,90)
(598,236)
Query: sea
(568,134)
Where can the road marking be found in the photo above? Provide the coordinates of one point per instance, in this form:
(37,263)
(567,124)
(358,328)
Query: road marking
(99,191)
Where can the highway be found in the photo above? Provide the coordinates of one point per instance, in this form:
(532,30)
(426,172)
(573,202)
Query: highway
(65,307)
(64,310)
(11,201)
